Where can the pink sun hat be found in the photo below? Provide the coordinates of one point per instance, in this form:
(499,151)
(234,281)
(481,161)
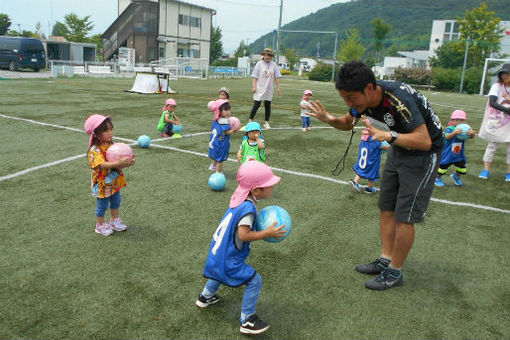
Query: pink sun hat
(214,106)
(252,174)
(458,114)
(169,101)
(308,92)
(93,123)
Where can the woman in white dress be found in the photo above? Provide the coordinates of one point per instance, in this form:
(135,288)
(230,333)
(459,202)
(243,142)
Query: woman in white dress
(264,75)
(496,121)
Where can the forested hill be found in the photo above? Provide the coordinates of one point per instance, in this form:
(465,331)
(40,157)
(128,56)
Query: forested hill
(411,22)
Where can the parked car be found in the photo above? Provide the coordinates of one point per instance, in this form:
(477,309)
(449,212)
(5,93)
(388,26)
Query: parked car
(16,52)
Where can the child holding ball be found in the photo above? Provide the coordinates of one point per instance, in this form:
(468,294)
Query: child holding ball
(453,150)
(252,147)
(107,177)
(168,118)
(219,141)
(230,245)
(306,111)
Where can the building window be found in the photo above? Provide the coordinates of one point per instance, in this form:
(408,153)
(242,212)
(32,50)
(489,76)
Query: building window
(161,53)
(183,19)
(194,53)
(448,27)
(189,21)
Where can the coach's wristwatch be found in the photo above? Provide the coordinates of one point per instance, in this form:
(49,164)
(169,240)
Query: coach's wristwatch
(394,136)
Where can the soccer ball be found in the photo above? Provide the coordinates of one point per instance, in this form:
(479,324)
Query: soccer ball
(234,123)
(177,128)
(217,181)
(272,213)
(117,151)
(144,141)
(465,128)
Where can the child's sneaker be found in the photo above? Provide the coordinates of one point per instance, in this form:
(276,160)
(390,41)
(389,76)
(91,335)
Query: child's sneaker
(204,302)
(507,177)
(176,136)
(484,174)
(212,167)
(243,128)
(309,128)
(354,186)
(439,182)
(118,225)
(370,190)
(456,179)
(253,325)
(304,129)
(104,229)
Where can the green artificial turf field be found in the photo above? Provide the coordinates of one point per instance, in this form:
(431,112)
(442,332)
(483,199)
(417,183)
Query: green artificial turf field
(59,279)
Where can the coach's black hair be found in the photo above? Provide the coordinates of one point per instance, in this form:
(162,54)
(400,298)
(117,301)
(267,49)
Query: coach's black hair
(354,76)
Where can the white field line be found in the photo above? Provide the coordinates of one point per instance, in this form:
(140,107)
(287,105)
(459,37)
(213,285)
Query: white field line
(291,172)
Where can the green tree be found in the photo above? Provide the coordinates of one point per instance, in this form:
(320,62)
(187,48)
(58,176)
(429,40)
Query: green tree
(381,29)
(60,29)
(23,33)
(449,55)
(242,50)
(351,48)
(5,23)
(78,28)
(38,31)
(481,27)
(216,44)
(292,57)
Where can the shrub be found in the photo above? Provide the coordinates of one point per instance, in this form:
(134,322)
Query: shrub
(285,72)
(449,80)
(414,75)
(320,72)
(225,62)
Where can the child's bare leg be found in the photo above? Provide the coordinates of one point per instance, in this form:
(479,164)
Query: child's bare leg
(370,184)
(357,178)
(219,165)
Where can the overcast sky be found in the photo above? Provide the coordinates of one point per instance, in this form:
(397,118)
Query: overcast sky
(239,19)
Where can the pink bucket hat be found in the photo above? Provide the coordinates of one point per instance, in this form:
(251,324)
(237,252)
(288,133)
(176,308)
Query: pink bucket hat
(458,114)
(308,92)
(214,106)
(93,123)
(170,101)
(252,174)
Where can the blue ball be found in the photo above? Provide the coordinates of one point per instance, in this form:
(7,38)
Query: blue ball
(272,213)
(465,128)
(217,181)
(144,141)
(177,128)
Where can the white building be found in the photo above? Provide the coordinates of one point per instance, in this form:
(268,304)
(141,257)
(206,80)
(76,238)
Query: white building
(448,30)
(160,29)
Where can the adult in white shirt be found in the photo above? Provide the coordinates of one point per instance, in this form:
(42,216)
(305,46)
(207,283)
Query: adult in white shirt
(264,75)
(496,122)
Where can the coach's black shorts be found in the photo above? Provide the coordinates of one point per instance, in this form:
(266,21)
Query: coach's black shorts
(407,183)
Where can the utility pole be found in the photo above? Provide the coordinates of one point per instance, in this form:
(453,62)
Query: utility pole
(334,58)
(278,38)
(464,65)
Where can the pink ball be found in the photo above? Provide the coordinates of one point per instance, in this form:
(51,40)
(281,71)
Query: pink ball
(117,151)
(210,105)
(234,123)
